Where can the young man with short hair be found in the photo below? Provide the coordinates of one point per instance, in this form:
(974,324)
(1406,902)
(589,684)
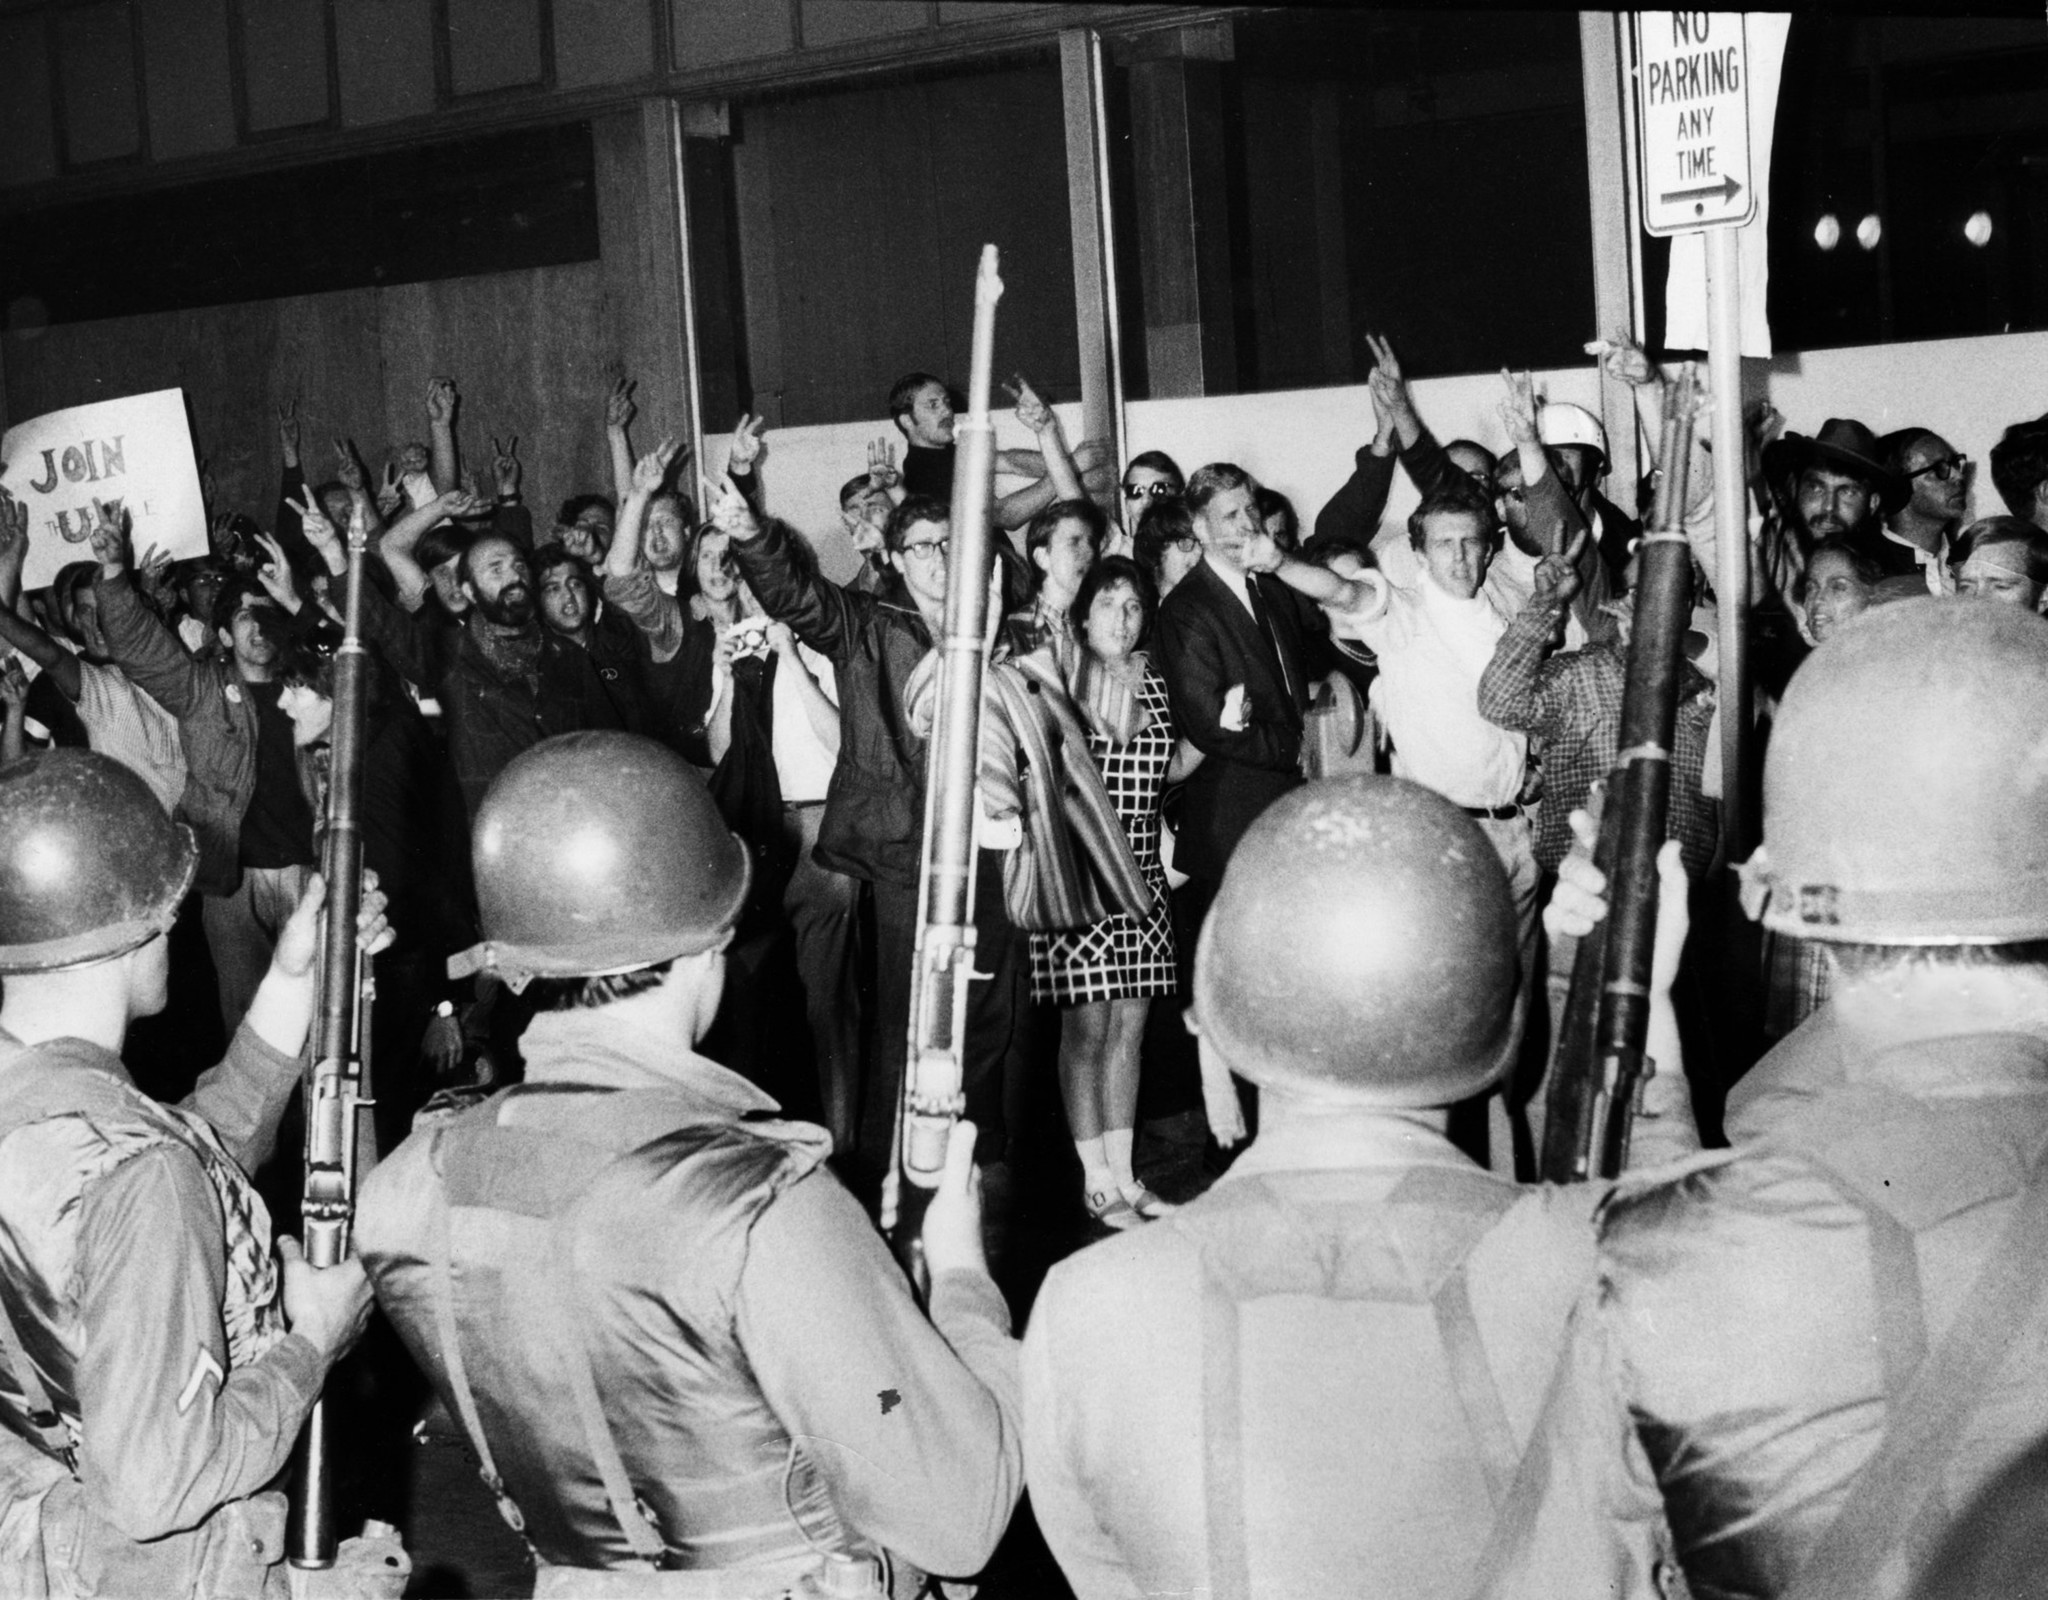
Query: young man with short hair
(242,794)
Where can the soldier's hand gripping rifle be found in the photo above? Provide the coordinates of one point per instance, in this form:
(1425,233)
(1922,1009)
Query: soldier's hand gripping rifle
(943,965)
(334,1081)
(1599,1070)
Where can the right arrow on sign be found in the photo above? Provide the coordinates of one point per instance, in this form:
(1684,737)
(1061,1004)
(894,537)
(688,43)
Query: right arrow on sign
(1727,188)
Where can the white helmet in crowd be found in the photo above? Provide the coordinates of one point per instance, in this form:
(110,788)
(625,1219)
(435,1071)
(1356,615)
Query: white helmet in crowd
(1562,423)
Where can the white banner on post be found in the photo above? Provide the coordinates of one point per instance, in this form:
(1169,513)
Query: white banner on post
(1685,284)
(134,452)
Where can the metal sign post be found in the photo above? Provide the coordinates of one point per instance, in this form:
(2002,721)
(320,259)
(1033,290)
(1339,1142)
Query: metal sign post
(1691,71)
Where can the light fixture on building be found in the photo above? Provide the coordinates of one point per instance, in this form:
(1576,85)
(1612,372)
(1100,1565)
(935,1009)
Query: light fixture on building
(1978,229)
(1869,231)
(1827,233)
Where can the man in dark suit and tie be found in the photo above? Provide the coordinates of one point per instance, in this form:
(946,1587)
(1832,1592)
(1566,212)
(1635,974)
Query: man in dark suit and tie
(1238,648)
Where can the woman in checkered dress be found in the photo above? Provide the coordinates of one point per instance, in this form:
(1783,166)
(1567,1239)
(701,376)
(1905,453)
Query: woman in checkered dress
(1104,976)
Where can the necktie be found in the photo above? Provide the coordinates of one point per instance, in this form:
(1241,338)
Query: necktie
(1265,622)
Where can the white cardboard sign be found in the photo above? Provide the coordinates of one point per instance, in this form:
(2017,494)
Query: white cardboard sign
(1692,120)
(137,451)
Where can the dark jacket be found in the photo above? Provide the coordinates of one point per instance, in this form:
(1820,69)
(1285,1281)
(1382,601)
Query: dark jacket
(874,810)
(493,715)
(1208,642)
(216,720)
(1350,520)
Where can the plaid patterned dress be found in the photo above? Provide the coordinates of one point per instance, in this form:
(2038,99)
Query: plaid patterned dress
(1120,958)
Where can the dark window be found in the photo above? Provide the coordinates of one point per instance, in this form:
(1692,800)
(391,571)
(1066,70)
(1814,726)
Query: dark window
(1418,174)
(837,235)
(495,204)
(1909,182)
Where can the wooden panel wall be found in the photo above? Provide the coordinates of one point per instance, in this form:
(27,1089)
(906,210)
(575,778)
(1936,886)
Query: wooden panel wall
(861,216)
(532,352)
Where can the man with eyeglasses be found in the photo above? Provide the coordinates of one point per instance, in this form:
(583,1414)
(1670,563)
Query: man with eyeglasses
(873,824)
(1936,479)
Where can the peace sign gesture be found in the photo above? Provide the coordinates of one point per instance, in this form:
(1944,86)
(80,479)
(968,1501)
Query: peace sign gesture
(618,405)
(1518,407)
(505,464)
(652,468)
(746,444)
(1557,574)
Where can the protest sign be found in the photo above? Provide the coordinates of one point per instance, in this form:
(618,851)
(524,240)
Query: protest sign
(135,453)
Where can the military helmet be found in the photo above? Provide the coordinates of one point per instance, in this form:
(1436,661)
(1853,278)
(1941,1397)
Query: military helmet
(1363,942)
(597,853)
(1906,785)
(90,865)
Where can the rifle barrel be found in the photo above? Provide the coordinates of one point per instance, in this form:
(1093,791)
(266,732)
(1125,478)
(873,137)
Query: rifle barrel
(332,1081)
(933,1067)
(1599,1065)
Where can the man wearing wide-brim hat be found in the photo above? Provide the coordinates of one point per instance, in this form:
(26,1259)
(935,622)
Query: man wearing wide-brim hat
(1837,485)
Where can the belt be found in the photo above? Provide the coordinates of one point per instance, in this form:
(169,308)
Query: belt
(1504,813)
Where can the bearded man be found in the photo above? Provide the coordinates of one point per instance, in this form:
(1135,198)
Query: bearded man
(512,682)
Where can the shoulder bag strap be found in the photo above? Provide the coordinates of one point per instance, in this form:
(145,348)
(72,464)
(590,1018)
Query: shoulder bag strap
(1929,1420)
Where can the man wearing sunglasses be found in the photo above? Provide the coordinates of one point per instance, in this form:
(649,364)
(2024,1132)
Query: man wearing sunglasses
(1935,479)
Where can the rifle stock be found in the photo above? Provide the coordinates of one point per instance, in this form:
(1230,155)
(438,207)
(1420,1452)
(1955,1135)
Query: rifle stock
(943,965)
(333,1088)
(1599,1067)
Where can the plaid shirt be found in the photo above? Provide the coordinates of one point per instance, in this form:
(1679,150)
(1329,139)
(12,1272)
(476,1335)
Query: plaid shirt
(1571,703)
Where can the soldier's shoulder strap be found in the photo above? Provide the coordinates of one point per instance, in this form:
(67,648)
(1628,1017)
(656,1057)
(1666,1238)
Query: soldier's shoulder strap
(1890,1497)
(1439,1217)
(17,1110)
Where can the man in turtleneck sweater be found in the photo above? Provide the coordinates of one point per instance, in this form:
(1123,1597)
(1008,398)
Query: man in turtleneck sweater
(512,683)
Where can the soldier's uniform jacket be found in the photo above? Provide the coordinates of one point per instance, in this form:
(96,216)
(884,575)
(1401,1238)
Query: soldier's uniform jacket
(136,1270)
(641,1260)
(1317,1379)
(1758,1318)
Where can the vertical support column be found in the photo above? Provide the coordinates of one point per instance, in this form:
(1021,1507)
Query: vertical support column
(1183,209)
(1095,310)
(640,231)
(679,191)
(1617,261)
(1333,263)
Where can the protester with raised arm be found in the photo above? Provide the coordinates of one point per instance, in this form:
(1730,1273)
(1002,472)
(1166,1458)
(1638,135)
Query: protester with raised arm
(120,720)
(242,794)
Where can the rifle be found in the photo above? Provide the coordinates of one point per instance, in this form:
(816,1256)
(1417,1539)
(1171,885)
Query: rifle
(1598,1073)
(943,965)
(334,1080)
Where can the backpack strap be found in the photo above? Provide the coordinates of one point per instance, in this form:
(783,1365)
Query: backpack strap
(18,1110)
(1470,1210)
(41,1409)
(636,1524)
(1891,1495)
(450,1335)
(635,1521)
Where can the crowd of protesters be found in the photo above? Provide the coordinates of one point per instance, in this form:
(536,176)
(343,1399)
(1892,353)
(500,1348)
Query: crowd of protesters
(1174,654)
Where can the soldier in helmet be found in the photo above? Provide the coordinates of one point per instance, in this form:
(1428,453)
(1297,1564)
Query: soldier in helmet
(675,1342)
(1318,1378)
(154,1372)
(1804,1353)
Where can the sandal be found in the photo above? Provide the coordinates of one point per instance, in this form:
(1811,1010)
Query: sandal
(1148,1206)
(1110,1209)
